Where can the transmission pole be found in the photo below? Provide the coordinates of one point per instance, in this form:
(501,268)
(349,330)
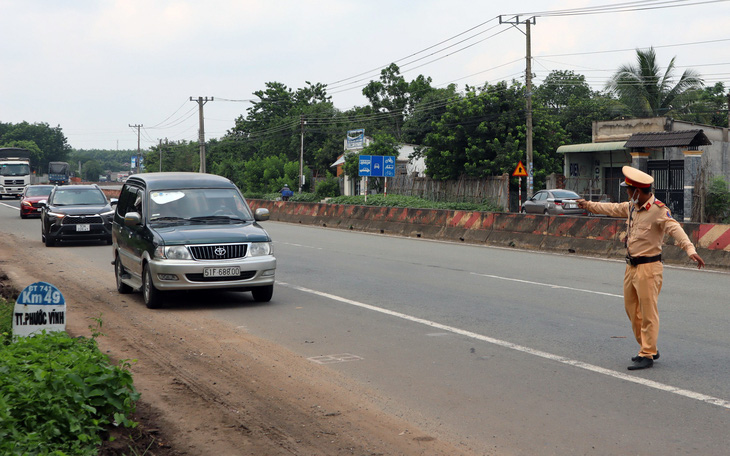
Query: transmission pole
(201,131)
(515,21)
(138,149)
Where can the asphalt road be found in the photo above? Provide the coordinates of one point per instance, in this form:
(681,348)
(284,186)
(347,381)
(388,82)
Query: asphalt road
(509,352)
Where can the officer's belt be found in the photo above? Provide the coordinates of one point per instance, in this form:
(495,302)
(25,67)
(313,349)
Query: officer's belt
(635,261)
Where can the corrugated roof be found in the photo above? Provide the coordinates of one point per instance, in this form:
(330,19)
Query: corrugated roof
(592,147)
(682,138)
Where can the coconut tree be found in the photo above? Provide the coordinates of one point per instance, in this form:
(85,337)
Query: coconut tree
(647,92)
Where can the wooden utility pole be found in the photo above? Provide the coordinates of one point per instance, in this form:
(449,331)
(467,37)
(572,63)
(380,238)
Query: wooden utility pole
(136,162)
(515,21)
(201,131)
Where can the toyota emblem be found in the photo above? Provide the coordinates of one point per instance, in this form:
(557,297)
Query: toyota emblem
(220,251)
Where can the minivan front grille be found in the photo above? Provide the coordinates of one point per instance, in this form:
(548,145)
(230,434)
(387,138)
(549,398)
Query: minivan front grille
(218,251)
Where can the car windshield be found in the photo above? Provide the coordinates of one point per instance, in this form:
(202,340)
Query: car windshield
(78,197)
(38,191)
(14,170)
(209,206)
(565,194)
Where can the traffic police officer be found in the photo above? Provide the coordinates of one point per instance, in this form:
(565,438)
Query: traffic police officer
(648,220)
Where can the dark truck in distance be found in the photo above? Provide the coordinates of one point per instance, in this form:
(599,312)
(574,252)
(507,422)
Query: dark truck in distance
(59,173)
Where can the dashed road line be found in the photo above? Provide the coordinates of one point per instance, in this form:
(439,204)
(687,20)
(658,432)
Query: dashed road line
(521,348)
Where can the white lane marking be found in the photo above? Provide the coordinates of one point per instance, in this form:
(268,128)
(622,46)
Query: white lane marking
(502,343)
(298,245)
(11,207)
(548,285)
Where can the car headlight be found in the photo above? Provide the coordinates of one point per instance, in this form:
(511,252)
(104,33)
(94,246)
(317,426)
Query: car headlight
(261,248)
(173,252)
(57,215)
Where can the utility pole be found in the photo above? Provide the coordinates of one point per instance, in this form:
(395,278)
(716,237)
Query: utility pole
(301,155)
(160,147)
(201,131)
(515,21)
(136,162)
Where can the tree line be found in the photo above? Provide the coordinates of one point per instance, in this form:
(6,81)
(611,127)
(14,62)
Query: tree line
(477,132)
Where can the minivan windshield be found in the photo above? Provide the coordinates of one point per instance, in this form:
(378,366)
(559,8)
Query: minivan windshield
(197,205)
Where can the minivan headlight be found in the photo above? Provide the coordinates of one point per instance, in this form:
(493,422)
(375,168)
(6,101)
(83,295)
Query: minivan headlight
(261,248)
(173,252)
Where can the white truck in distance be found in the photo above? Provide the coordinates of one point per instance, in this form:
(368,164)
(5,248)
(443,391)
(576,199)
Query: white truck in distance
(14,171)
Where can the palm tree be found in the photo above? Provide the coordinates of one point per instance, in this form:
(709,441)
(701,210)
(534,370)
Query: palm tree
(646,92)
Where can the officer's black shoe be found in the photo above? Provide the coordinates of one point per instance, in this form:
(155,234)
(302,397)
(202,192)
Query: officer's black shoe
(638,358)
(642,363)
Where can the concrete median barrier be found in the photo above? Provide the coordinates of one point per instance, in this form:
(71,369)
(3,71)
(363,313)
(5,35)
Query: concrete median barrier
(595,236)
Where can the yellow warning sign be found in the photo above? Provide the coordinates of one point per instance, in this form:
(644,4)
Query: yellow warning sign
(520,171)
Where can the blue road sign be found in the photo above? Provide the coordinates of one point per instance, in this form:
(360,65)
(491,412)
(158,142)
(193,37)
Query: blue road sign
(365,167)
(377,168)
(389,166)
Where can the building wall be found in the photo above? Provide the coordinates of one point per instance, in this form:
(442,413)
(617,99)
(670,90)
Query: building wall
(715,158)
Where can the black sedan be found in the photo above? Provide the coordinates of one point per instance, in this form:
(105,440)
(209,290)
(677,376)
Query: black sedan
(553,202)
(76,212)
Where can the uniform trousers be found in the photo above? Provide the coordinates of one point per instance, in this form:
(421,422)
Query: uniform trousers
(642,284)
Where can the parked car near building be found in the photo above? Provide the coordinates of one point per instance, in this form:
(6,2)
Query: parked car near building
(189,231)
(78,213)
(30,202)
(553,202)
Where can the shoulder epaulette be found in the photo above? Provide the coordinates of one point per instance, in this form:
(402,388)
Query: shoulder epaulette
(659,203)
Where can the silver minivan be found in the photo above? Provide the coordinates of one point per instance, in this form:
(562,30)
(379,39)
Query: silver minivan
(189,231)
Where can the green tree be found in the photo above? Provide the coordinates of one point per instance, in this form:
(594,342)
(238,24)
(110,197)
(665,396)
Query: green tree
(718,201)
(50,141)
(91,170)
(269,174)
(428,110)
(646,91)
(710,106)
(396,97)
(566,96)
(483,134)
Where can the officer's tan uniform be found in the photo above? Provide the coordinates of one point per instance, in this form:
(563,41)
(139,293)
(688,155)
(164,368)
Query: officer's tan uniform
(646,227)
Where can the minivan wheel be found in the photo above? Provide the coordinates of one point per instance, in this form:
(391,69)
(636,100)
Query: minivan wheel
(122,287)
(263,294)
(152,296)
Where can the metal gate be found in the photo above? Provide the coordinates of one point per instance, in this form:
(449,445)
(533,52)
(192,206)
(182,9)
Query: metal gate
(669,184)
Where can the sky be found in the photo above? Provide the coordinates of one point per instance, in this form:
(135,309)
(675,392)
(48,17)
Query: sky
(95,67)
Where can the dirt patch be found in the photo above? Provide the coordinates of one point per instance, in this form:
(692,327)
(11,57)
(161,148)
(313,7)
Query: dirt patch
(208,388)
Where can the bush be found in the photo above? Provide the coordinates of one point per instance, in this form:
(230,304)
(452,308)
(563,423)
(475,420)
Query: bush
(415,202)
(718,201)
(329,187)
(58,394)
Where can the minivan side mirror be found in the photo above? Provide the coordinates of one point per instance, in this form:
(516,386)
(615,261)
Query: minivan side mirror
(132,219)
(261,214)
(113,201)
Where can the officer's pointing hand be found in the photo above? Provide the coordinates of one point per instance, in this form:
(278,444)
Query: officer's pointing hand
(697,259)
(581,203)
